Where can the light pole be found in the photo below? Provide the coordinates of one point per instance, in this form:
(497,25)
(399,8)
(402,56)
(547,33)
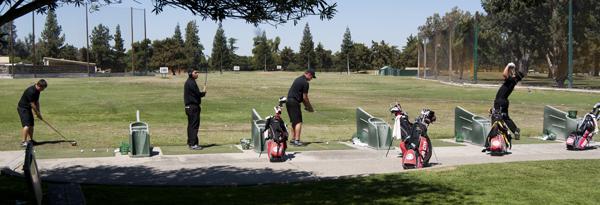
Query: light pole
(425,40)
(87,40)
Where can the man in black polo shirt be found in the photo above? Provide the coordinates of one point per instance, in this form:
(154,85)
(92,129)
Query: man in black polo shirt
(192,97)
(297,94)
(28,105)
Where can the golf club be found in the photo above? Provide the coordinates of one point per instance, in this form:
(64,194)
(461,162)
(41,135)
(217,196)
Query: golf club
(389,147)
(73,142)
(206,78)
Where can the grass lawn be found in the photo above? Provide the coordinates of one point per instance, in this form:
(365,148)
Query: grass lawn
(97,111)
(539,182)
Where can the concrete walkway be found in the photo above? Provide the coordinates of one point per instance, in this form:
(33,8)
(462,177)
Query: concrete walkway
(247,169)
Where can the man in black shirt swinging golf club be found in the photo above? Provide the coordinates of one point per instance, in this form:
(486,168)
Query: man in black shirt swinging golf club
(28,105)
(511,78)
(192,97)
(297,94)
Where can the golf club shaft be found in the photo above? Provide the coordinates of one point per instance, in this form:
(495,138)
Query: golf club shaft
(51,127)
(206,77)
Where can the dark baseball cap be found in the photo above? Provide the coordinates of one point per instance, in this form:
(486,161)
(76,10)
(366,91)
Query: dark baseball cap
(312,72)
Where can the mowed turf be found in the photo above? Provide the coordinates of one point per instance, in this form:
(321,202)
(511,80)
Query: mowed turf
(97,111)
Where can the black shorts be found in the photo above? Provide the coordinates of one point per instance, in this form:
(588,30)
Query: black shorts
(26,117)
(293,110)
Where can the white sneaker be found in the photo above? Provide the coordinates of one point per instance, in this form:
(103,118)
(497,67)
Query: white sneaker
(23,144)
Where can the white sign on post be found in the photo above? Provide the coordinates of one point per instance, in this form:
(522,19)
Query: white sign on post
(278,67)
(164,71)
(236,68)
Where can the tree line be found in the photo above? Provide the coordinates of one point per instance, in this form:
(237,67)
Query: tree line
(184,51)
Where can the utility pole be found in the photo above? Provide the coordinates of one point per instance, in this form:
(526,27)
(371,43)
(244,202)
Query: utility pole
(33,38)
(87,40)
(10,44)
(146,50)
(570,44)
(475,46)
(132,48)
(418,57)
(425,57)
(450,52)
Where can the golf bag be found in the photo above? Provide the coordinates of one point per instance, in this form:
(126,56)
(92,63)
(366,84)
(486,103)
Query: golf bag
(580,138)
(415,143)
(498,141)
(276,134)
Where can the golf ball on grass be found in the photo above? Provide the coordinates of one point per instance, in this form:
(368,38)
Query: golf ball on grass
(81,150)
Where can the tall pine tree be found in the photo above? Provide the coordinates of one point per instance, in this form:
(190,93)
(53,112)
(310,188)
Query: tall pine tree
(262,58)
(51,40)
(101,47)
(220,53)
(178,51)
(346,50)
(118,51)
(306,56)
(192,46)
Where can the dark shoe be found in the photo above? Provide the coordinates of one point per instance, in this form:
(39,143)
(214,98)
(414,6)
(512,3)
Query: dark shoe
(518,134)
(195,147)
(485,149)
(297,143)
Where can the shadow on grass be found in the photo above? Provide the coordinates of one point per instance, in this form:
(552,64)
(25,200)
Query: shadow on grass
(234,185)
(143,175)
(381,189)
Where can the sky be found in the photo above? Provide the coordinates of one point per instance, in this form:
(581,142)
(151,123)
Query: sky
(389,20)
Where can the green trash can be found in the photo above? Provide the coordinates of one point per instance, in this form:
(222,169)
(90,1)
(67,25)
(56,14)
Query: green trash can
(139,139)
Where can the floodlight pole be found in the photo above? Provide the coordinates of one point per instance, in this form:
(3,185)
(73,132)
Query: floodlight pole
(418,57)
(145,50)
(33,37)
(425,57)
(475,46)
(87,40)
(132,48)
(570,75)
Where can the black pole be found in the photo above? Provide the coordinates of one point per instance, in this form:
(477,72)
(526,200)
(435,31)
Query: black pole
(87,39)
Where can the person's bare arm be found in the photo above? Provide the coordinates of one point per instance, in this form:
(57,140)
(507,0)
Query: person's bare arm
(506,72)
(306,102)
(35,106)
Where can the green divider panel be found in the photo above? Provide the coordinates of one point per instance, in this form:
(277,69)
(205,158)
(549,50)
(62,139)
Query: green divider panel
(373,131)
(258,125)
(557,124)
(469,127)
(362,125)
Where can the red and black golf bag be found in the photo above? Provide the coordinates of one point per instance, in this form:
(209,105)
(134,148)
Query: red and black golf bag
(498,141)
(415,144)
(580,138)
(276,135)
